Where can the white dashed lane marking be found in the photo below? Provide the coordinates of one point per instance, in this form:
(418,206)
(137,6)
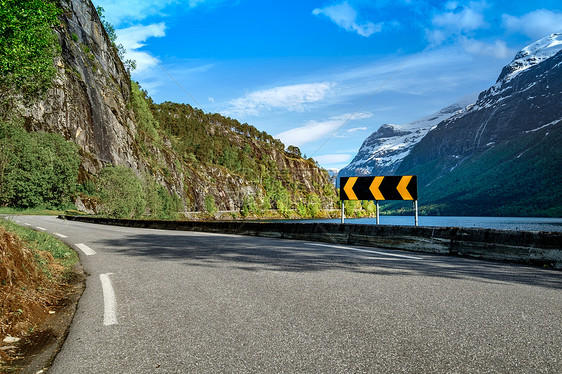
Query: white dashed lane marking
(366,251)
(109,301)
(87,250)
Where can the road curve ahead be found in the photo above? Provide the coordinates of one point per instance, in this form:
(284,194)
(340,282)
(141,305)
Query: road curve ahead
(187,302)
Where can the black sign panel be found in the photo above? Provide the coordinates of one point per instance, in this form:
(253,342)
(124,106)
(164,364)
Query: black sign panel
(379,188)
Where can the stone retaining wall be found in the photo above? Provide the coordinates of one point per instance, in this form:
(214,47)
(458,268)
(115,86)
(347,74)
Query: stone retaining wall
(528,247)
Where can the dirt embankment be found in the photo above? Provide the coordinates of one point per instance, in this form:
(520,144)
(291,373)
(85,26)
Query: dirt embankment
(35,293)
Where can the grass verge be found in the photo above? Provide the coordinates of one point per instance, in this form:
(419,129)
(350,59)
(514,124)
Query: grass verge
(35,277)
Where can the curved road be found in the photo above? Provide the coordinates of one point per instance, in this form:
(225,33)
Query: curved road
(187,302)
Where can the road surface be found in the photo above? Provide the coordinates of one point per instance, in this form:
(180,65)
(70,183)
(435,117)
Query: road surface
(187,302)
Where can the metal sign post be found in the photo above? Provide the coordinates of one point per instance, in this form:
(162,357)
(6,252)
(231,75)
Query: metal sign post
(377,212)
(342,211)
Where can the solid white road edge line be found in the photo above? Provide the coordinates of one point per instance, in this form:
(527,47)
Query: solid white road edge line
(367,251)
(87,250)
(61,235)
(109,301)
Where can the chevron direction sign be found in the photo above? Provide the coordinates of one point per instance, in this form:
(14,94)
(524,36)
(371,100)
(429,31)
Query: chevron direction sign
(379,188)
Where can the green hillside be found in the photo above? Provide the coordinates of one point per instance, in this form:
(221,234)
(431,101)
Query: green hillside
(506,180)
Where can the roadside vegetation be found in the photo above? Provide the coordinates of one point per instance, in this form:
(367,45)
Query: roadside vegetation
(36,272)
(42,171)
(28,46)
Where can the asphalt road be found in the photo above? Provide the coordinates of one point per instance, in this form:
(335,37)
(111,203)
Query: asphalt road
(185,302)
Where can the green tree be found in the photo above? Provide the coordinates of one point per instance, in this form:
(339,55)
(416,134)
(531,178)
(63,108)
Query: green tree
(351,207)
(121,192)
(143,115)
(249,206)
(160,204)
(210,206)
(28,46)
(369,206)
(36,169)
(314,205)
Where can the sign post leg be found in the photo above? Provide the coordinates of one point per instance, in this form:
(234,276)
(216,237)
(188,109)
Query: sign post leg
(416,208)
(342,211)
(377,211)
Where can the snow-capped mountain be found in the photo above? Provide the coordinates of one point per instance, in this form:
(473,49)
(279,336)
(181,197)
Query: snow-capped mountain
(526,97)
(498,156)
(382,152)
(532,55)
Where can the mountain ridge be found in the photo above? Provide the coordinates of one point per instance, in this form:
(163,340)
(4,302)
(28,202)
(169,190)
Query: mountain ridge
(476,161)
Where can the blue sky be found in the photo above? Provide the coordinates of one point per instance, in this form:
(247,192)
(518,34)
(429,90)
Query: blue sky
(323,75)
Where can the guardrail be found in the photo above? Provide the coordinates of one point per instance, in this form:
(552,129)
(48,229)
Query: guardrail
(528,247)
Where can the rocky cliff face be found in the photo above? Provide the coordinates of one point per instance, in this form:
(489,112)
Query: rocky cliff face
(88,101)
(90,104)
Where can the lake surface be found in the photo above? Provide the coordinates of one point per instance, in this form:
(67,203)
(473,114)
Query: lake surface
(502,223)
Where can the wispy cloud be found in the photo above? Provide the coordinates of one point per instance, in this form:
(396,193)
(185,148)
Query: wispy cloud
(455,21)
(118,12)
(124,11)
(536,24)
(458,24)
(355,129)
(315,130)
(498,49)
(133,39)
(293,98)
(346,17)
(460,19)
(334,158)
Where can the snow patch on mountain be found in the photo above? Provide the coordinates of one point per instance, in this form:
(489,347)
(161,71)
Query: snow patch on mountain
(382,152)
(532,55)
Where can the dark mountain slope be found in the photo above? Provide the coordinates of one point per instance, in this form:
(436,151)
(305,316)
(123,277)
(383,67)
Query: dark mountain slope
(503,155)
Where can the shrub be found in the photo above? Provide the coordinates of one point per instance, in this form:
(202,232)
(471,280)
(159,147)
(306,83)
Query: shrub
(160,204)
(314,205)
(121,192)
(36,169)
(210,206)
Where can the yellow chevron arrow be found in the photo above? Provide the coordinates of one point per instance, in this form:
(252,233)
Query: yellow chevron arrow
(403,187)
(374,188)
(348,188)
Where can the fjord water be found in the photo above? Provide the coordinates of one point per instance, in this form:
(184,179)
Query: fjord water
(501,223)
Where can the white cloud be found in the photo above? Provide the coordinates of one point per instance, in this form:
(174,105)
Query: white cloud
(457,21)
(467,19)
(498,49)
(119,11)
(315,130)
(293,98)
(346,17)
(335,158)
(133,39)
(125,11)
(355,129)
(537,24)
(458,25)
